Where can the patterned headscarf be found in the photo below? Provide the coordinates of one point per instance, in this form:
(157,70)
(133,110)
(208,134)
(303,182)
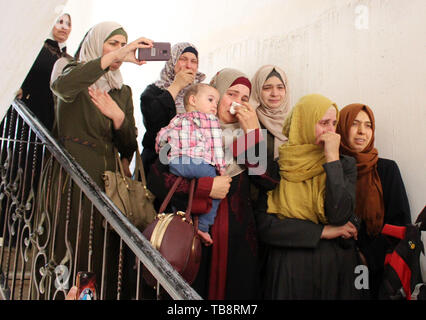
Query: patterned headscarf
(92,48)
(272,118)
(369,192)
(167,75)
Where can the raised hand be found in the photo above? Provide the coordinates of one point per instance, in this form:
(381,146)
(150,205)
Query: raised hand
(331,143)
(107,106)
(128,52)
(247,117)
(182,79)
(185,78)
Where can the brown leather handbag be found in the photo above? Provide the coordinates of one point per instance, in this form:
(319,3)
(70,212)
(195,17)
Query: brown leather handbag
(174,235)
(131,196)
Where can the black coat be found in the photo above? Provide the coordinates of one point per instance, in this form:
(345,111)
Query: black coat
(158,108)
(297,263)
(397,212)
(36,87)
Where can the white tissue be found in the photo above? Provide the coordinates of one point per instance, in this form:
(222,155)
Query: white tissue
(232,109)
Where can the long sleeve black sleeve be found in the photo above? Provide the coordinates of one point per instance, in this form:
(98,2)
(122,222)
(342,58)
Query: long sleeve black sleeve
(397,208)
(285,232)
(158,108)
(339,205)
(340,190)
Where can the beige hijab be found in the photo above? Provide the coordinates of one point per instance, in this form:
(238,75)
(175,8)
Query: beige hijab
(271,119)
(231,131)
(92,48)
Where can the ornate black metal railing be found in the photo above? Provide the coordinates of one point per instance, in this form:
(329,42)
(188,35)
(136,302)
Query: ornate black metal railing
(38,258)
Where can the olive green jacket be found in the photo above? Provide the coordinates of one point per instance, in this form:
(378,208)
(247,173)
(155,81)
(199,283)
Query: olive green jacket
(84,131)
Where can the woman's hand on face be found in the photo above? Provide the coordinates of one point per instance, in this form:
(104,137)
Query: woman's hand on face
(128,52)
(331,143)
(184,78)
(107,106)
(247,117)
(346,231)
(220,188)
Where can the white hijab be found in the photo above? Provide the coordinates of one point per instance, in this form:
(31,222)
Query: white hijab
(92,48)
(61,45)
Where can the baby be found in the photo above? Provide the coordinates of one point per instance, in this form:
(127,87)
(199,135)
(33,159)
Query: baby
(195,140)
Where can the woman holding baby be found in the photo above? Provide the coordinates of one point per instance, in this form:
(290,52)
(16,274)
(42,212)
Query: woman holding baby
(229,266)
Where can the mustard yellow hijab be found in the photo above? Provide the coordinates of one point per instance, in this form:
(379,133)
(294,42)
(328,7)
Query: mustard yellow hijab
(300,193)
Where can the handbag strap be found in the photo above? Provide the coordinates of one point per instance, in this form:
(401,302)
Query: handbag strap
(139,169)
(190,198)
(188,215)
(170,195)
(118,162)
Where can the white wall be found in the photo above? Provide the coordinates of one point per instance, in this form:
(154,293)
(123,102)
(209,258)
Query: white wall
(351,51)
(24,26)
(369,51)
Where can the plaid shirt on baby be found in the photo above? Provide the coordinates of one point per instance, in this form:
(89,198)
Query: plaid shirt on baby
(196,135)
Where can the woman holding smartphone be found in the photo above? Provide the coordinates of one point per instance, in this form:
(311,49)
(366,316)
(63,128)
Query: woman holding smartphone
(95,117)
(162,100)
